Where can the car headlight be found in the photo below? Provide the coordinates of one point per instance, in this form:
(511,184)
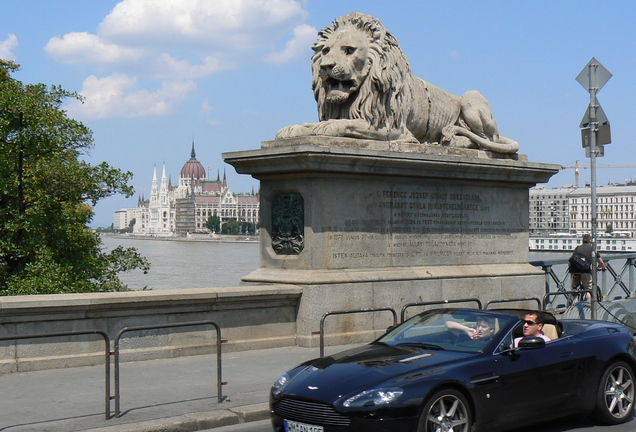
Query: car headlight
(280,384)
(374,397)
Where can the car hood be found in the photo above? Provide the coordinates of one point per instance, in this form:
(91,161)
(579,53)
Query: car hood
(367,367)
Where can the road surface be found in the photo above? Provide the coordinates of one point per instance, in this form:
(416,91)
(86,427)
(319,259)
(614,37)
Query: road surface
(571,424)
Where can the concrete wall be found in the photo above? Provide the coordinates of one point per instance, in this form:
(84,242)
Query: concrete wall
(249,317)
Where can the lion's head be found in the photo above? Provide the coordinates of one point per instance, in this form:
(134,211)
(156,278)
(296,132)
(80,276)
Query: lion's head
(359,72)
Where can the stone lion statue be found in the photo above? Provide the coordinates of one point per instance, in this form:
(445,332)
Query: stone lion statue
(365,89)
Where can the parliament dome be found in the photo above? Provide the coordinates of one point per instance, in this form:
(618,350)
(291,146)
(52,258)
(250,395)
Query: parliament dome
(193,168)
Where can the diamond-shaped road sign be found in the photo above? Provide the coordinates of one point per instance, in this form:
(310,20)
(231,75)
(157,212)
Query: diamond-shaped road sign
(601,76)
(601,118)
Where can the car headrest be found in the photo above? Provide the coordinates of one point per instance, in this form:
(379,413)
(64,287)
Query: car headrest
(550,331)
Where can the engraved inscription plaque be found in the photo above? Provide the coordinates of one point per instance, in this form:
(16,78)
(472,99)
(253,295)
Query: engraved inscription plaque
(425,224)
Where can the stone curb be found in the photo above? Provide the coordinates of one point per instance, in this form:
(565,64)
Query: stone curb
(195,421)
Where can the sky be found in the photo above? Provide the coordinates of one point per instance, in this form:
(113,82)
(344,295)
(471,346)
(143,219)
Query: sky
(158,75)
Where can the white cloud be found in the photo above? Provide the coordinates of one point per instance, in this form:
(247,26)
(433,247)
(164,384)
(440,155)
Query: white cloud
(182,40)
(169,66)
(7,46)
(233,24)
(206,108)
(304,37)
(88,48)
(119,95)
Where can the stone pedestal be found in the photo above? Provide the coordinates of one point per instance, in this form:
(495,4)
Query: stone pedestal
(369,224)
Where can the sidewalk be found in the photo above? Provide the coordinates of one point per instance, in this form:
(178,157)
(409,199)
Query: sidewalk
(157,395)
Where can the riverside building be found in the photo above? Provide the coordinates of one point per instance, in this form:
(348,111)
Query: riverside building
(559,216)
(185,209)
(569,210)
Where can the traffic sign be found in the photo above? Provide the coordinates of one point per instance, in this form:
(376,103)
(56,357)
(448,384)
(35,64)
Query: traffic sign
(600,151)
(601,118)
(603,136)
(599,78)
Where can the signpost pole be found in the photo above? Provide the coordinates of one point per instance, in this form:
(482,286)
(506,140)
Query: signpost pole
(593,130)
(593,77)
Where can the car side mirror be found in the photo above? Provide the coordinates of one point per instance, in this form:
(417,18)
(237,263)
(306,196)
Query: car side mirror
(531,342)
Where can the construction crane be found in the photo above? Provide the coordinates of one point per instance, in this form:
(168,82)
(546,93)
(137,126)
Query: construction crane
(576,168)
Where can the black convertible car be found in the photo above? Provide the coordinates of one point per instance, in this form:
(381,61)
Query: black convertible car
(424,376)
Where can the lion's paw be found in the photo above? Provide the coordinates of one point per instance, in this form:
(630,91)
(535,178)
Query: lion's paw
(329,128)
(448,134)
(293,131)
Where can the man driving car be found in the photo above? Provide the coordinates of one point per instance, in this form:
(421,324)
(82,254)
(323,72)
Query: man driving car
(532,326)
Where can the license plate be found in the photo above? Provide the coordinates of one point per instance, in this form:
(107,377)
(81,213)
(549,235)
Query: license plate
(292,426)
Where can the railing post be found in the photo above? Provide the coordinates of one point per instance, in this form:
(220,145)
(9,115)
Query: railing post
(631,275)
(547,269)
(219,341)
(80,333)
(344,312)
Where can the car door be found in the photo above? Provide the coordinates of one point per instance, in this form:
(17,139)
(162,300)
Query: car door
(537,382)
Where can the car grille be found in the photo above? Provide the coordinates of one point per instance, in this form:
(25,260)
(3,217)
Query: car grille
(309,412)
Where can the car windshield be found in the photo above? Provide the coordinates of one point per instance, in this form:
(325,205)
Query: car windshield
(457,330)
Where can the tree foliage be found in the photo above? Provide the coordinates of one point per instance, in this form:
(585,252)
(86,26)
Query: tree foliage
(47,194)
(213,223)
(233,226)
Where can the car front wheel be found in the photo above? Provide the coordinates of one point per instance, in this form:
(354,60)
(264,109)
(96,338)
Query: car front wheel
(446,411)
(615,397)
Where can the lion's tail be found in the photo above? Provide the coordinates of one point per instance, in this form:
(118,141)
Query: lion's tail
(504,145)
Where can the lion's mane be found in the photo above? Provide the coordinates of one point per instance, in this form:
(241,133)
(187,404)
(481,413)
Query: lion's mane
(380,97)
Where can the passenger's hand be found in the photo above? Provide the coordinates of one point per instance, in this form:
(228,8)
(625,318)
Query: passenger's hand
(476,334)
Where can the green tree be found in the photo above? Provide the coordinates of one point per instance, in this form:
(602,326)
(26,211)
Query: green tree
(47,195)
(213,223)
(230,227)
(247,228)
(131,225)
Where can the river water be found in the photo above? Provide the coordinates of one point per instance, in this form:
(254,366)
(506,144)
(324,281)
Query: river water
(188,264)
(201,264)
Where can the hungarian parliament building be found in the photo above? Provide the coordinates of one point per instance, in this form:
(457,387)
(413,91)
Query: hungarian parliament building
(186,208)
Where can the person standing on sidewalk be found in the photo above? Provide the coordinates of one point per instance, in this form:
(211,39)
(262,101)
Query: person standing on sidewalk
(584,279)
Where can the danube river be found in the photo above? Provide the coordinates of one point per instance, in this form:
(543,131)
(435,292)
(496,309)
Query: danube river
(202,264)
(188,264)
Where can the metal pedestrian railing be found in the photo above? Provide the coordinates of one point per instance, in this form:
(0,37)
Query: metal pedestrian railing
(513,300)
(346,312)
(117,352)
(438,302)
(219,341)
(618,282)
(321,332)
(107,353)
